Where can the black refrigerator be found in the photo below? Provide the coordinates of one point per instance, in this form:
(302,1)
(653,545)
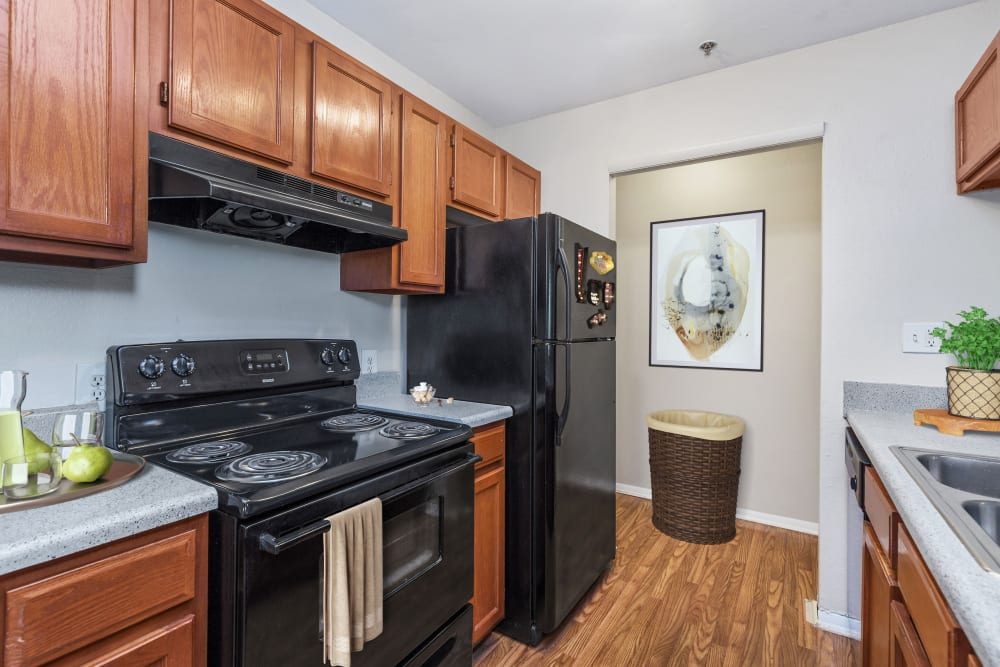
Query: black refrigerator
(528,320)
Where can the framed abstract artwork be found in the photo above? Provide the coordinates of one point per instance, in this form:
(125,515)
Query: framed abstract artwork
(706,292)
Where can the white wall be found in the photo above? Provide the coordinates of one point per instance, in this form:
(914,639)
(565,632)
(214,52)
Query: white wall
(898,244)
(779,405)
(199,285)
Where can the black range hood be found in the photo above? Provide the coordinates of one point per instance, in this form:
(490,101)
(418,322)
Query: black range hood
(194,187)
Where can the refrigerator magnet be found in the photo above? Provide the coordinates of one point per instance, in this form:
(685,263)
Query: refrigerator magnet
(594,289)
(602,262)
(581,270)
(609,295)
(597,319)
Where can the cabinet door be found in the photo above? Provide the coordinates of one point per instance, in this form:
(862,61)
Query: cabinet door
(488,596)
(169,646)
(232,74)
(878,591)
(422,192)
(977,116)
(907,650)
(524,189)
(352,119)
(478,172)
(68,120)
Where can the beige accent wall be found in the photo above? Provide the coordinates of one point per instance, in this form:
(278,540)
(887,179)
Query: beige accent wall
(780,405)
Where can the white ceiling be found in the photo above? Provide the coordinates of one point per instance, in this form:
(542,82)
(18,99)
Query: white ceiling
(513,60)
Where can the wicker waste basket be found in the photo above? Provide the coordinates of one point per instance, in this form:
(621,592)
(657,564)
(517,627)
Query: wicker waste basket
(694,462)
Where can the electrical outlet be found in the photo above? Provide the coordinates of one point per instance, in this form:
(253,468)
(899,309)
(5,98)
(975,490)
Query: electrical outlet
(917,337)
(369,362)
(91,384)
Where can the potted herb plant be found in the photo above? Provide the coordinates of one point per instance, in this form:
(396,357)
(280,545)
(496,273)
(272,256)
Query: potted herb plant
(974,384)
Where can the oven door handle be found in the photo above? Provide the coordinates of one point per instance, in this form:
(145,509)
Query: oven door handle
(275,545)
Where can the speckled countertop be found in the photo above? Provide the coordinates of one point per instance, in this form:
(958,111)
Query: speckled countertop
(153,498)
(472,414)
(972,592)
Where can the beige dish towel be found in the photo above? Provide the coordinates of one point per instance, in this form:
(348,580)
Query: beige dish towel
(352,570)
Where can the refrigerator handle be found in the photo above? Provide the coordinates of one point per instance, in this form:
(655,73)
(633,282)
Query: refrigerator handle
(563,414)
(564,267)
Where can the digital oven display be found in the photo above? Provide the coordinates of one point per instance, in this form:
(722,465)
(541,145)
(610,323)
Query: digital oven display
(264,361)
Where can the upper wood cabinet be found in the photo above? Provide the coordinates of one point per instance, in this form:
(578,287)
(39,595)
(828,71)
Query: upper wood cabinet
(232,74)
(977,125)
(423,173)
(73,132)
(477,173)
(351,123)
(416,265)
(524,189)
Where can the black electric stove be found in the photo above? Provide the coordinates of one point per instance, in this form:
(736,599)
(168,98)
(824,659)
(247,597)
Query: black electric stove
(274,427)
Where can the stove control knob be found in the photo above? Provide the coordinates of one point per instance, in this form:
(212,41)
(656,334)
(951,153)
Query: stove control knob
(151,367)
(182,365)
(344,355)
(328,357)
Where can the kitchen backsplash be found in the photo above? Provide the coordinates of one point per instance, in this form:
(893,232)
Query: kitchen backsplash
(892,397)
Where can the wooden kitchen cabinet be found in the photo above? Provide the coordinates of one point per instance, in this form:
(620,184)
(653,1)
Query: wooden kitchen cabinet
(489,589)
(977,125)
(417,265)
(351,122)
(523,196)
(905,619)
(477,174)
(73,152)
(232,75)
(139,600)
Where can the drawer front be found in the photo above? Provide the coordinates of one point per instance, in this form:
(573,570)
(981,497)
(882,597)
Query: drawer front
(882,514)
(491,443)
(56,615)
(942,639)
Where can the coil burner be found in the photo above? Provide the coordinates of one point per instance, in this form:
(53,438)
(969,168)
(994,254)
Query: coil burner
(354,422)
(270,467)
(209,452)
(408,430)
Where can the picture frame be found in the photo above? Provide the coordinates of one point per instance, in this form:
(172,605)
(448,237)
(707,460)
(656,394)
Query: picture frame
(706,292)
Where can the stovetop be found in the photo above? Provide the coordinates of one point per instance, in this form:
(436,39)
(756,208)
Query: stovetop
(266,468)
(268,423)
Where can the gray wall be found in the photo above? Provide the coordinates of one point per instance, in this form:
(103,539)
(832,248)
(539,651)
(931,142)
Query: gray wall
(780,405)
(196,285)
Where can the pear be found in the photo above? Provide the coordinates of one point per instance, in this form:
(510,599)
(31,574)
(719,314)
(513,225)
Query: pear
(86,463)
(34,448)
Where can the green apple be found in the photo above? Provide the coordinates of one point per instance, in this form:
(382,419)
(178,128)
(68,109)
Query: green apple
(86,463)
(34,447)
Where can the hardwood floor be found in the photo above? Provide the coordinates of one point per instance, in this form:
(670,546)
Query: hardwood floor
(667,602)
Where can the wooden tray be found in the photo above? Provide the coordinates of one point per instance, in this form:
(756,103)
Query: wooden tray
(952,425)
(125,467)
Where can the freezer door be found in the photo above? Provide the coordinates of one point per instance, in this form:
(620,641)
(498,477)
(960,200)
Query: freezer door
(579,478)
(578,302)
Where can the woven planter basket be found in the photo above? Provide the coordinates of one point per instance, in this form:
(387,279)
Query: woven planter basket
(973,394)
(694,462)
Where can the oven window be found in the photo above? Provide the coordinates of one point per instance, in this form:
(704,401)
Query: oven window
(411,544)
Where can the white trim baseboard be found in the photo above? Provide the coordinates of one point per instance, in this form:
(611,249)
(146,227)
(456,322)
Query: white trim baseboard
(798,525)
(840,624)
(757,142)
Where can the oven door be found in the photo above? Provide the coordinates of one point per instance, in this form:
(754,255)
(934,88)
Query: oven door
(427,534)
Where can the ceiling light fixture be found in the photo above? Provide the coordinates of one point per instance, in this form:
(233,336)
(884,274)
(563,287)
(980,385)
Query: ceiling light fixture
(707,46)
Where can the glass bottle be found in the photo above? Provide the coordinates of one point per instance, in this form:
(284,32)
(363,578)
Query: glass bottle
(13,386)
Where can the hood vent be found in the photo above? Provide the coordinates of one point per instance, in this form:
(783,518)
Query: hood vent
(194,187)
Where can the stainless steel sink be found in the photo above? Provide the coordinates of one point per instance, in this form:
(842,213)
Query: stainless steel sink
(966,490)
(974,474)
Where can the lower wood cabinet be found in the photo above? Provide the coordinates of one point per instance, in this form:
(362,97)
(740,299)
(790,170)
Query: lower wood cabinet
(905,618)
(488,596)
(137,601)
